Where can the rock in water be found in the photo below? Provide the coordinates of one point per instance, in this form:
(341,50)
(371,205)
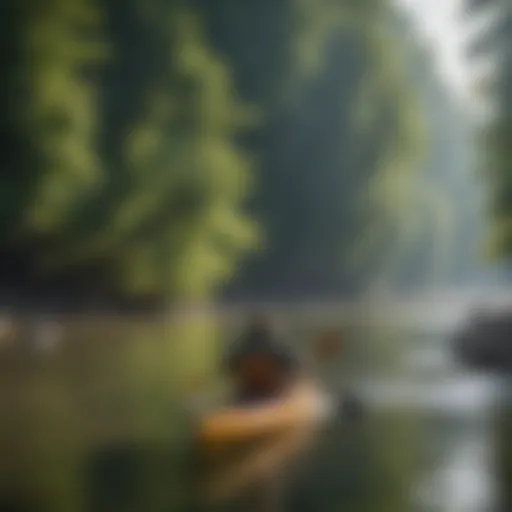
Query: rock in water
(351,408)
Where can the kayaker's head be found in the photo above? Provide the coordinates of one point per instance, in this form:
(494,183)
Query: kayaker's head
(260,363)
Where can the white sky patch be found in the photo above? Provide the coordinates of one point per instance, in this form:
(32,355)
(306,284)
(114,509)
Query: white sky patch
(443,26)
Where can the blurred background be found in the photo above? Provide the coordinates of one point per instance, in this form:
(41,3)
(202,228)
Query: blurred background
(168,166)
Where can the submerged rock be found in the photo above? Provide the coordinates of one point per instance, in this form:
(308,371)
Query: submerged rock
(484,342)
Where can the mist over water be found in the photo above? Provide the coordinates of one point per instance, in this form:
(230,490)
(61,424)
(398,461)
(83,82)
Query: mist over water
(457,406)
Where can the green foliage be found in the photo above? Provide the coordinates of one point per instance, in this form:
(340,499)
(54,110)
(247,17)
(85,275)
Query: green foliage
(129,120)
(59,109)
(338,153)
(439,207)
(496,44)
(142,158)
(393,219)
(176,179)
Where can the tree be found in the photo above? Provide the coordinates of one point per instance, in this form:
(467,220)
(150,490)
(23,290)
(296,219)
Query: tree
(495,44)
(129,123)
(444,248)
(338,149)
(139,154)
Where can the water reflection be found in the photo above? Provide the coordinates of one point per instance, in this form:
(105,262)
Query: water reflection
(96,427)
(457,409)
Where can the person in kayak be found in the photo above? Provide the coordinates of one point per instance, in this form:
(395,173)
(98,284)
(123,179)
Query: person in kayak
(268,423)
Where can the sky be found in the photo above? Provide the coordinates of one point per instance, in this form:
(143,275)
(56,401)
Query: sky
(447,30)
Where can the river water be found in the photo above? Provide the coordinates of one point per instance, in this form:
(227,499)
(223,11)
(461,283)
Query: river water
(426,444)
(457,410)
